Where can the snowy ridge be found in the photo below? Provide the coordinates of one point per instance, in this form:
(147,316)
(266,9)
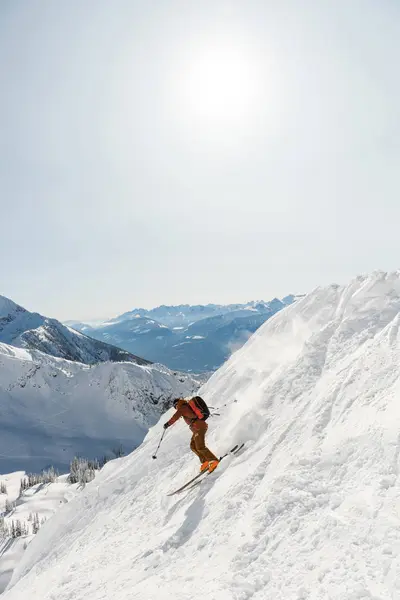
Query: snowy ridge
(21,328)
(309,511)
(53,409)
(13,352)
(185,314)
(7,307)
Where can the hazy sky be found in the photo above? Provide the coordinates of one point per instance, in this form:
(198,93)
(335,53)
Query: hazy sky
(183,151)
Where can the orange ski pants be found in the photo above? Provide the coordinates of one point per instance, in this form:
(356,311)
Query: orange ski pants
(198,442)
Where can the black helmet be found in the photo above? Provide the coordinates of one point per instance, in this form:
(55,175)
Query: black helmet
(175,402)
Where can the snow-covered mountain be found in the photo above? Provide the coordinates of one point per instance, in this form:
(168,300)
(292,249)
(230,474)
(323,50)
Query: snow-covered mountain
(23,329)
(308,511)
(53,409)
(187,338)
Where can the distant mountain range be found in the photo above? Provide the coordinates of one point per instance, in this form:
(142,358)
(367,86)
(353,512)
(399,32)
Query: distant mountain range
(187,338)
(32,331)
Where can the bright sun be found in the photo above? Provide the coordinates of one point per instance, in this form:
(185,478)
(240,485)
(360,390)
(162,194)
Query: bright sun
(218,82)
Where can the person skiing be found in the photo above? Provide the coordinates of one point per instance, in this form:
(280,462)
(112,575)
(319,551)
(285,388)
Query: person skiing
(199,428)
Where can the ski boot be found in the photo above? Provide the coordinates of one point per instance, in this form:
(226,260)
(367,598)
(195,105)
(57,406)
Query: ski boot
(212,465)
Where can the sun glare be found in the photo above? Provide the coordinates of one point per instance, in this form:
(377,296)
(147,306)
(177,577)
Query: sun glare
(219,82)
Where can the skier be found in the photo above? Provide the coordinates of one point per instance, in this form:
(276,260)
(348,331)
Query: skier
(199,429)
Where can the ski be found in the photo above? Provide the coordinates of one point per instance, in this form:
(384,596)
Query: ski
(238,449)
(232,451)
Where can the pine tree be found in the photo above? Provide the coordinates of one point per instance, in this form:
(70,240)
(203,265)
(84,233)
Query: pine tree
(118,451)
(18,528)
(103,461)
(4,529)
(50,475)
(36,524)
(82,471)
(3,488)
(74,471)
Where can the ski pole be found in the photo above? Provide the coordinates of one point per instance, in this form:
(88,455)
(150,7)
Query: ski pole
(223,406)
(159,444)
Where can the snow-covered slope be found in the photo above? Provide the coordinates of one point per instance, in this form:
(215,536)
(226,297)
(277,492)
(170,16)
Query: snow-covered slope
(53,409)
(310,509)
(24,329)
(29,510)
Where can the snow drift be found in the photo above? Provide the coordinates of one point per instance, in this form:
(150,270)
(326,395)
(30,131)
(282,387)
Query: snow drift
(310,510)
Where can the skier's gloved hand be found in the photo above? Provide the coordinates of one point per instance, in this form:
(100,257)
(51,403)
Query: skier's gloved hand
(166,425)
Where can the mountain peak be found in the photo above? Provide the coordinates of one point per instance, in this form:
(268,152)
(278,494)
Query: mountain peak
(32,331)
(7,307)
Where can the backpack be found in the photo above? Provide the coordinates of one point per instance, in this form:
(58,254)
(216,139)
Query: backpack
(200,408)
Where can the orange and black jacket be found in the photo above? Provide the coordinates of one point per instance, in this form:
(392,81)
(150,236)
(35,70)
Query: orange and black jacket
(183,410)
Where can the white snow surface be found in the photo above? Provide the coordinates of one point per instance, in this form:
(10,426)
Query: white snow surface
(53,409)
(310,509)
(41,499)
